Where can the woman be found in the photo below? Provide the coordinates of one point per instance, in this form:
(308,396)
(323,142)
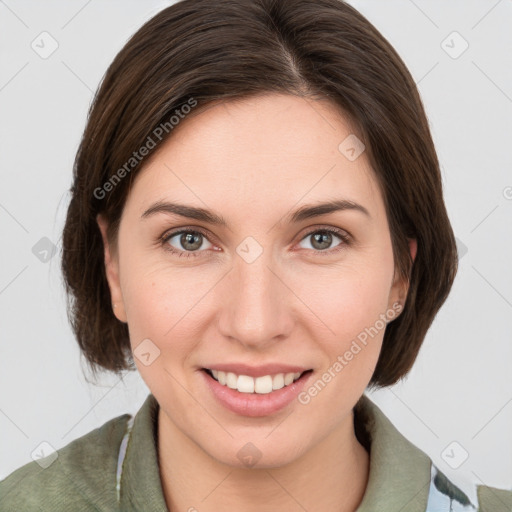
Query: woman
(257,226)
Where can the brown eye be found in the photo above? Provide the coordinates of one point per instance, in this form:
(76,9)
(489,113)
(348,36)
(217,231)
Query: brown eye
(185,242)
(322,240)
(191,241)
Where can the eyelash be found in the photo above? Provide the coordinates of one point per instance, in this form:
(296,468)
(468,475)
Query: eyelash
(164,239)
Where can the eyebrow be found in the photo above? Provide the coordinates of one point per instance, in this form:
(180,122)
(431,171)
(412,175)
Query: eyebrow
(210,217)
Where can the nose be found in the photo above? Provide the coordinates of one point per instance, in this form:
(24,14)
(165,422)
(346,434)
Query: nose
(256,305)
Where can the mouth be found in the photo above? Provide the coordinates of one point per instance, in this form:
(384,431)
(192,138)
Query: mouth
(264,384)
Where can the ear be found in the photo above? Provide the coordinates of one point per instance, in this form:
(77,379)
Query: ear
(399,289)
(112,272)
(413,248)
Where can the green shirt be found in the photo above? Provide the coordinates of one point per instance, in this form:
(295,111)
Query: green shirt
(115,467)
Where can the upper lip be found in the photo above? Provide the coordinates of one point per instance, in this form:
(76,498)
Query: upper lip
(257,371)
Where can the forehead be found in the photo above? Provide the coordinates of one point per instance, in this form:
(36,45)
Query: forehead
(266,151)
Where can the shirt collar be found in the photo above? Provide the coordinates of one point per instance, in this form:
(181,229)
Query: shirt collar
(140,487)
(399,475)
(400,472)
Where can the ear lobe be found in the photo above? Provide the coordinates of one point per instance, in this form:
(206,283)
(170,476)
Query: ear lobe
(413,248)
(399,287)
(112,271)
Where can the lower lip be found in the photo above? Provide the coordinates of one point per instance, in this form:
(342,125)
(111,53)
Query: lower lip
(255,404)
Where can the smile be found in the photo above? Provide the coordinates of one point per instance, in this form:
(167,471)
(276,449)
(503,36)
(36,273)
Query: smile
(247,384)
(250,390)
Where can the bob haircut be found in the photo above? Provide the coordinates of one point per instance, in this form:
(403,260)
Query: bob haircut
(201,52)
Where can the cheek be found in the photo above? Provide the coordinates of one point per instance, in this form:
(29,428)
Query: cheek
(164,304)
(354,311)
(346,300)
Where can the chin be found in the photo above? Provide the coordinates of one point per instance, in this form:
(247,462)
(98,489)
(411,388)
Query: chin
(257,454)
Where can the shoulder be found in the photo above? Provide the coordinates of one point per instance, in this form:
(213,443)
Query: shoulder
(399,465)
(79,476)
(492,499)
(444,495)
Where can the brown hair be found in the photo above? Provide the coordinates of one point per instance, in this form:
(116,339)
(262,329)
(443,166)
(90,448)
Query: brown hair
(205,51)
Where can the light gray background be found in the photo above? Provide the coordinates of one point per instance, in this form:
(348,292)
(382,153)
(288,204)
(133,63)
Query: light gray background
(461,386)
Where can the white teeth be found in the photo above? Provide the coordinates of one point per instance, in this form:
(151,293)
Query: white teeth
(245,384)
(231,380)
(288,378)
(262,385)
(278,381)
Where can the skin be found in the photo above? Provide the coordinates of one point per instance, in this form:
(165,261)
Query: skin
(253,162)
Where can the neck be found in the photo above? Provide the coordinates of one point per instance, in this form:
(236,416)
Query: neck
(331,477)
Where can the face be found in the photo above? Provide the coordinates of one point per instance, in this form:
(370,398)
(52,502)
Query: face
(265,292)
